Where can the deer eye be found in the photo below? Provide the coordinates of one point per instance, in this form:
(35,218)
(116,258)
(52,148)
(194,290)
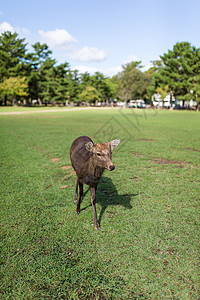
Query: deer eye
(98,154)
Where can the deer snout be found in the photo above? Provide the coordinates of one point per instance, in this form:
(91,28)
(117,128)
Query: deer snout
(111,168)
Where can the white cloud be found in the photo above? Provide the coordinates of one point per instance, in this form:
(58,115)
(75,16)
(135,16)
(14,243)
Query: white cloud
(57,38)
(89,54)
(24,31)
(5,26)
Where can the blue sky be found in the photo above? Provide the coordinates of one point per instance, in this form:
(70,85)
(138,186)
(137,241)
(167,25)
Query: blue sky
(103,35)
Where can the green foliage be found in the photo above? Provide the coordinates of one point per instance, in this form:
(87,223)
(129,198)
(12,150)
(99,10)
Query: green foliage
(73,85)
(90,95)
(98,82)
(148,245)
(52,83)
(178,69)
(14,86)
(13,56)
(132,83)
(111,84)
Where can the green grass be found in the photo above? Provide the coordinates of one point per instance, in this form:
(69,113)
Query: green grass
(147,247)
(5,109)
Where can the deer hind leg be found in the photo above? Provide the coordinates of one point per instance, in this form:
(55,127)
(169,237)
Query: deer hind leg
(93,201)
(80,197)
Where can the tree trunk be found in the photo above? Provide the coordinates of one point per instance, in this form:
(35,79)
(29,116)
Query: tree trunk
(170,100)
(40,102)
(14,102)
(5,100)
(159,107)
(198,106)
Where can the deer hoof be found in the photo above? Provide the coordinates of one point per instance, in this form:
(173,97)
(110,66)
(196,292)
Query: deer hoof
(97,227)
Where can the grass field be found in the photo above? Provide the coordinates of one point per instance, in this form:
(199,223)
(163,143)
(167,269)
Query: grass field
(147,208)
(21,109)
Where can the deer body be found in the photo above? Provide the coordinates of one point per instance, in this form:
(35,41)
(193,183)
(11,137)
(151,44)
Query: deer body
(89,161)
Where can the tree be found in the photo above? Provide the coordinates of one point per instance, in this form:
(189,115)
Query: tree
(179,68)
(98,82)
(90,95)
(196,90)
(111,87)
(41,72)
(13,58)
(73,89)
(12,55)
(85,80)
(14,86)
(47,81)
(132,83)
(62,82)
(105,86)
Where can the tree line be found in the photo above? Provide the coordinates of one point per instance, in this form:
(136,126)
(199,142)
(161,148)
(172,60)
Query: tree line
(27,76)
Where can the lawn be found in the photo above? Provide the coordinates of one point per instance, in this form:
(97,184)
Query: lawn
(147,247)
(8,109)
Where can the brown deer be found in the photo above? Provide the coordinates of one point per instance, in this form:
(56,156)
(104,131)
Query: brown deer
(89,161)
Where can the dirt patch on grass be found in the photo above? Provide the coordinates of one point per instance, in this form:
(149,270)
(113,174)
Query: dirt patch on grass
(73,173)
(39,149)
(137,154)
(55,159)
(65,178)
(135,179)
(65,167)
(64,186)
(192,149)
(165,162)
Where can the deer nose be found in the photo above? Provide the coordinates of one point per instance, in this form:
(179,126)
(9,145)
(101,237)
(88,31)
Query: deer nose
(111,168)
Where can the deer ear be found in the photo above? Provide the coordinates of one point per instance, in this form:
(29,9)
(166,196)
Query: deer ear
(114,144)
(89,146)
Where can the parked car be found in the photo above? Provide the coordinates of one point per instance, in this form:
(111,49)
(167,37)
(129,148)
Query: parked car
(132,104)
(139,103)
(120,103)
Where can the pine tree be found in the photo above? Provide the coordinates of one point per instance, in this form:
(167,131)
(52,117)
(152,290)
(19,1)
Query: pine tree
(179,68)
(13,58)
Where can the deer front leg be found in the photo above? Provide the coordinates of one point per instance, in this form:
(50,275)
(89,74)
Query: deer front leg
(76,191)
(93,201)
(80,197)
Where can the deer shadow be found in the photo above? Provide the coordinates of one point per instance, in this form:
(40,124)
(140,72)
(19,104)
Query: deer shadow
(107,195)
